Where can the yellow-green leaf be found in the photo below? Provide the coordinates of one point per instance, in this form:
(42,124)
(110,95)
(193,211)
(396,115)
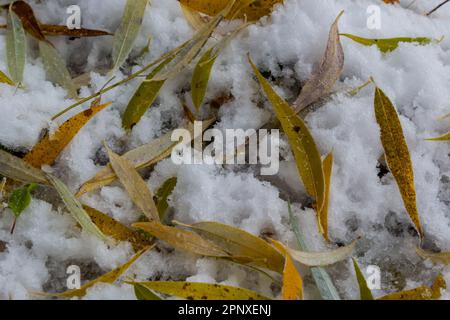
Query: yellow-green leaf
(397,153)
(46,151)
(15,46)
(136,187)
(304,148)
(182,240)
(239,243)
(322,215)
(109,277)
(388,44)
(128,31)
(162,194)
(202,291)
(142,293)
(436,257)
(323,258)
(112,228)
(17,169)
(445,137)
(5,79)
(75,207)
(364,291)
(420,293)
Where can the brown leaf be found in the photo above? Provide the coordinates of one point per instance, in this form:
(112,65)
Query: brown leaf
(29,21)
(58,30)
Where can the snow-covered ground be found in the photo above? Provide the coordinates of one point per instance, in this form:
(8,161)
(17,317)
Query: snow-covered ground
(288,44)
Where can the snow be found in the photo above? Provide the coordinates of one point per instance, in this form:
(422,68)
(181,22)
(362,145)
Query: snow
(289,44)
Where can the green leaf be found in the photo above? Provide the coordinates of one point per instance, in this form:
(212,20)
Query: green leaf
(364,291)
(75,208)
(128,31)
(388,44)
(200,77)
(15,47)
(162,194)
(142,293)
(56,68)
(20,199)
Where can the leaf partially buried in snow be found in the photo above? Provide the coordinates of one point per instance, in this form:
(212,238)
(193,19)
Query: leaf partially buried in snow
(251,9)
(292,281)
(436,257)
(46,151)
(182,240)
(20,199)
(75,207)
(128,31)
(324,258)
(25,13)
(143,293)
(420,293)
(15,46)
(163,194)
(113,228)
(141,157)
(58,30)
(136,187)
(239,243)
(445,137)
(109,277)
(5,79)
(17,169)
(388,44)
(322,80)
(56,69)
(364,291)
(202,291)
(304,148)
(195,19)
(397,153)
(322,215)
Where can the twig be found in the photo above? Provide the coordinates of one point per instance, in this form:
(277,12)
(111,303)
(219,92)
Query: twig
(440,5)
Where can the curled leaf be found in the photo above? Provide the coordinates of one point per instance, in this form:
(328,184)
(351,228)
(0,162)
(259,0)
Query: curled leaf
(202,291)
(323,79)
(364,291)
(324,258)
(46,151)
(420,293)
(397,154)
(436,257)
(182,239)
(304,148)
(15,46)
(136,187)
(17,169)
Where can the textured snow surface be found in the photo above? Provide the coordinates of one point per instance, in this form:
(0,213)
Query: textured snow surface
(288,45)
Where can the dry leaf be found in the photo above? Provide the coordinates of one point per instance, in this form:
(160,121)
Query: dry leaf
(17,169)
(389,44)
(58,30)
(397,153)
(420,293)
(322,215)
(15,46)
(445,137)
(324,258)
(46,151)
(5,79)
(322,81)
(195,19)
(136,187)
(29,21)
(439,257)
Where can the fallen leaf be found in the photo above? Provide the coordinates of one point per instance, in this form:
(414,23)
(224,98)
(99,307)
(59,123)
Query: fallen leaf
(15,46)
(135,186)
(397,153)
(163,194)
(75,208)
(26,14)
(17,169)
(5,79)
(324,258)
(202,291)
(182,240)
(322,80)
(128,31)
(58,30)
(436,257)
(322,215)
(142,293)
(364,291)
(420,293)
(445,137)
(46,151)
(304,148)
(195,19)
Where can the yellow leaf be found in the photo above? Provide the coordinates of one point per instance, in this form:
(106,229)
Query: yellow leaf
(252,9)
(182,239)
(322,216)
(445,137)
(193,17)
(306,153)
(323,258)
(5,79)
(292,280)
(50,147)
(440,257)
(239,243)
(116,230)
(136,187)
(397,153)
(202,291)
(420,293)
(109,277)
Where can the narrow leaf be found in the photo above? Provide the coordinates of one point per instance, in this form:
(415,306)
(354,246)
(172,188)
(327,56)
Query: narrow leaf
(364,291)
(322,215)
(304,148)
(202,291)
(445,137)
(46,151)
(386,45)
(322,81)
(436,257)
(75,208)
(17,169)
(194,18)
(136,187)
(20,199)
(142,293)
(397,153)
(325,258)
(5,79)
(182,240)
(163,194)
(420,293)
(128,31)
(57,30)
(29,21)
(15,47)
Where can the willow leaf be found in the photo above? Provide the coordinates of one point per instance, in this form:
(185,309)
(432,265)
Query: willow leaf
(5,79)
(420,293)
(128,31)
(445,137)
(142,293)
(17,169)
(163,194)
(29,22)
(304,148)
(202,291)
(397,154)
(322,215)
(324,258)
(15,47)
(75,207)
(364,291)
(58,30)
(436,257)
